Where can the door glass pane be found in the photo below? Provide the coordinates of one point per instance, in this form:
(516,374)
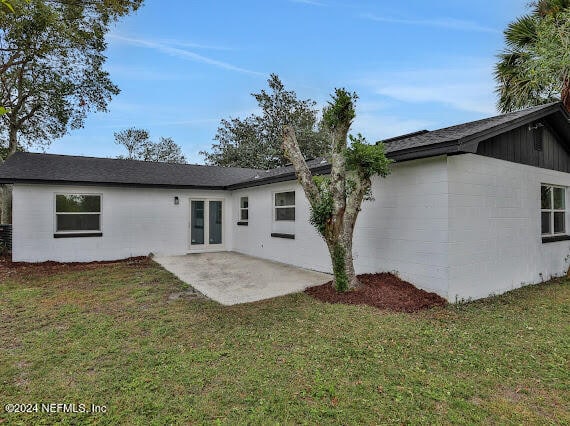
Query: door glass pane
(197,222)
(215,217)
(559,222)
(559,198)
(545,198)
(545,220)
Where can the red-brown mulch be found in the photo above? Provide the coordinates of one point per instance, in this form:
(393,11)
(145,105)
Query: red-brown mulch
(383,291)
(50,267)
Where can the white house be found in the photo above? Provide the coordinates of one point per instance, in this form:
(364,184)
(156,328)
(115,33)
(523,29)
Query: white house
(468,211)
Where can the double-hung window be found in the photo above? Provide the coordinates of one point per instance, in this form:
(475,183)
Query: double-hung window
(285,206)
(244,209)
(552,210)
(77,214)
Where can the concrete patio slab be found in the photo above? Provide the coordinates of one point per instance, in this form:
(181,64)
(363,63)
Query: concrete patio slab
(231,278)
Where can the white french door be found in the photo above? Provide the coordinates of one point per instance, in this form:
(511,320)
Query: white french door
(206,224)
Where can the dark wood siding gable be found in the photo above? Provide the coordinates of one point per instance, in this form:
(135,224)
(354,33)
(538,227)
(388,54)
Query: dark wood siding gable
(521,146)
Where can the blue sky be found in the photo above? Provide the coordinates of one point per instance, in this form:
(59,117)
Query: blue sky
(182,66)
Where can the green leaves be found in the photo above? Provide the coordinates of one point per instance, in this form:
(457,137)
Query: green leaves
(534,68)
(322,210)
(255,141)
(7,4)
(367,160)
(340,110)
(140,147)
(52,66)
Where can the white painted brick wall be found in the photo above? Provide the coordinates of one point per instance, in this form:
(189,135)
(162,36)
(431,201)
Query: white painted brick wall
(404,229)
(495,243)
(307,250)
(135,222)
(464,226)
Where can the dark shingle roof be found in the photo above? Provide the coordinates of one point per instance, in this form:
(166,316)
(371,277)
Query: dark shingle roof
(455,136)
(25,166)
(281,174)
(50,168)
(61,169)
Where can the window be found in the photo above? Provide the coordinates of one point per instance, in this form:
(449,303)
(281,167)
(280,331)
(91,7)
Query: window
(244,209)
(553,210)
(77,213)
(285,206)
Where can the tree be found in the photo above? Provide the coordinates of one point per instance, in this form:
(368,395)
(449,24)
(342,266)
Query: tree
(336,200)
(51,69)
(133,140)
(51,66)
(140,147)
(255,141)
(164,151)
(8,5)
(535,66)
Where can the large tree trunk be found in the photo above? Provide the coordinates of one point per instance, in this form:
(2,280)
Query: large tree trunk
(340,250)
(12,141)
(6,190)
(6,204)
(565,94)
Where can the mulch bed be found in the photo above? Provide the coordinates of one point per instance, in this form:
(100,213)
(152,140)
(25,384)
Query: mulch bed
(383,291)
(50,267)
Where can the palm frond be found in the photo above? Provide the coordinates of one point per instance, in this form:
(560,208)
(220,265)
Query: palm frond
(522,32)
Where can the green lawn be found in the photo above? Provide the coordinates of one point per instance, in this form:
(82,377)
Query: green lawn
(110,336)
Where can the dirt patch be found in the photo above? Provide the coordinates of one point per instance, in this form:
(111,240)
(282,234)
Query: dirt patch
(7,267)
(383,291)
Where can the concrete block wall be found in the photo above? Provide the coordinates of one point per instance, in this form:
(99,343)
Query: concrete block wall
(403,230)
(464,226)
(495,242)
(135,222)
(307,250)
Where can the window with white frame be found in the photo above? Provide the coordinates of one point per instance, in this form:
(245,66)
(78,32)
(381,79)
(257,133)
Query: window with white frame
(285,206)
(77,213)
(244,209)
(552,210)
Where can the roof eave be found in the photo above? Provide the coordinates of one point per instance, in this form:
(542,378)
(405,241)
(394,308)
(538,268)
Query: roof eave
(279,178)
(109,184)
(415,153)
(471,142)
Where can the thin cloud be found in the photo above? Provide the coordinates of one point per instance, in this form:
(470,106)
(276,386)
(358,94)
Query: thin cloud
(308,2)
(180,43)
(181,53)
(470,88)
(447,23)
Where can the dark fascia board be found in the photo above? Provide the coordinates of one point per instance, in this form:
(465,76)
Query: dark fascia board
(471,143)
(247,184)
(279,178)
(415,153)
(109,184)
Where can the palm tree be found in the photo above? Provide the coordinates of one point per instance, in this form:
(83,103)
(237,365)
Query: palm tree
(520,76)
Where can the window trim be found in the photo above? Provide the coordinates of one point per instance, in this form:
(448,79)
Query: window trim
(78,232)
(288,206)
(552,235)
(241,220)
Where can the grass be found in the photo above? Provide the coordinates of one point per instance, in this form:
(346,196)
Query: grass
(110,336)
